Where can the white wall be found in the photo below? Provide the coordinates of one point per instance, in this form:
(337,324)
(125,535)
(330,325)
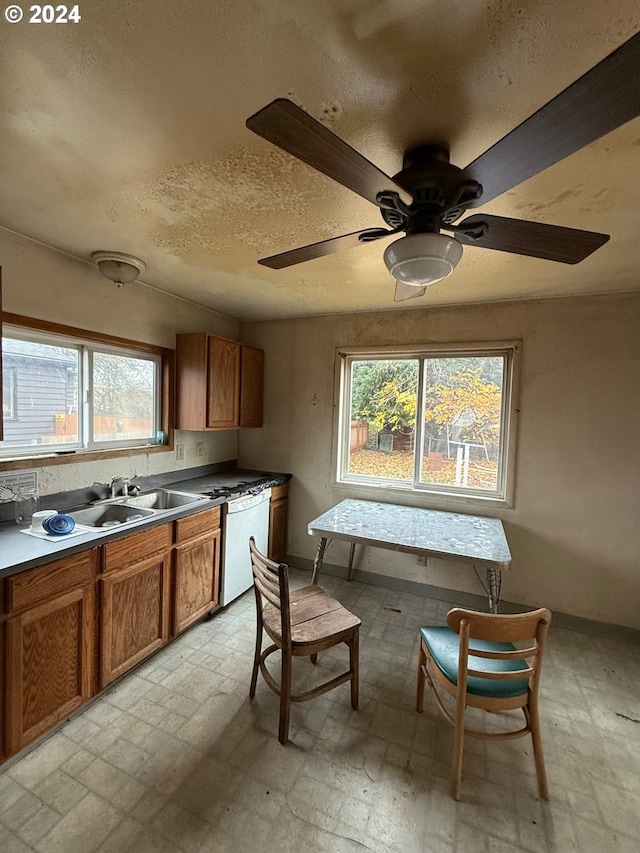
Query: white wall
(48,285)
(574,529)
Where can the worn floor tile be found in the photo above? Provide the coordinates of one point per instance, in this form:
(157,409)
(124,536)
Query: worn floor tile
(175,759)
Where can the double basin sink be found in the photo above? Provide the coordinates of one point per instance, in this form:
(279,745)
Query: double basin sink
(125,510)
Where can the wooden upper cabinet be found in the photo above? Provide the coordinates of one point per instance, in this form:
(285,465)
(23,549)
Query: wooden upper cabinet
(211,393)
(223,385)
(251,386)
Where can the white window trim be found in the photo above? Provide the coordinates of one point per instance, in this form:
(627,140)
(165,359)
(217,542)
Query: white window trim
(441,497)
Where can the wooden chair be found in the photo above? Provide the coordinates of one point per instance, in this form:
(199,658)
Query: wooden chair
(475,661)
(299,623)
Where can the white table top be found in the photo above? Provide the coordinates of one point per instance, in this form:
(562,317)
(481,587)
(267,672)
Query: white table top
(448,535)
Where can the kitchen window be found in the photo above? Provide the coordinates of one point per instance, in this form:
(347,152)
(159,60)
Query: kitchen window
(438,420)
(67,391)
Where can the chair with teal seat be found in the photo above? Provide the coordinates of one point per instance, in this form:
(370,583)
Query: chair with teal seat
(475,660)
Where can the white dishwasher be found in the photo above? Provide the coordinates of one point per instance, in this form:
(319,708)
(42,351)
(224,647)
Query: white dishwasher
(244,517)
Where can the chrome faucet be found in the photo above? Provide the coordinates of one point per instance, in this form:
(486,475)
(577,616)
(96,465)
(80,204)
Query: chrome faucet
(113,486)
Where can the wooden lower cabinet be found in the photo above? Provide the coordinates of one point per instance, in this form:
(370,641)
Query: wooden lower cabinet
(134,611)
(196,579)
(72,626)
(279,522)
(49,638)
(196,567)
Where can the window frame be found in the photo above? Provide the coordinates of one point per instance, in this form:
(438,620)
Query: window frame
(438,495)
(108,344)
(12,414)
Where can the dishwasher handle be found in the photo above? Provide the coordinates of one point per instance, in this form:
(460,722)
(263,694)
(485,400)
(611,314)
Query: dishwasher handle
(247,501)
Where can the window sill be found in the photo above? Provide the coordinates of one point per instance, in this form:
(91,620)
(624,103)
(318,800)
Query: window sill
(65,457)
(447,501)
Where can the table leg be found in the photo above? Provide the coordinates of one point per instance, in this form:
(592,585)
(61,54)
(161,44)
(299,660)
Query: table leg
(352,552)
(493,590)
(317,560)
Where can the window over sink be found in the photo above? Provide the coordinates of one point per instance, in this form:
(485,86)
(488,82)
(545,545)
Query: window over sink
(69,390)
(436,420)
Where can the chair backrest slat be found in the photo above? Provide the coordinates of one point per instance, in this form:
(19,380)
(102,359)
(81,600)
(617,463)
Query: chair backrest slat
(267,591)
(271,582)
(499,627)
(517,653)
(505,675)
(530,628)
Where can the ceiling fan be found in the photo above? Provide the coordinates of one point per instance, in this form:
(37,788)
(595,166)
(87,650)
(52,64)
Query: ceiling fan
(430,194)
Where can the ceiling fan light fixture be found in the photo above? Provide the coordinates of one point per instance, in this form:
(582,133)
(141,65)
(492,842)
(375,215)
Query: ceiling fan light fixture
(118,267)
(422,259)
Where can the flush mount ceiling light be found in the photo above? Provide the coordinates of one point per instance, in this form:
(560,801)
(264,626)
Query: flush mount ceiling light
(118,267)
(422,259)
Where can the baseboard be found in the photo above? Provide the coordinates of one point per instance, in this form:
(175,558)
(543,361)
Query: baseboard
(468,599)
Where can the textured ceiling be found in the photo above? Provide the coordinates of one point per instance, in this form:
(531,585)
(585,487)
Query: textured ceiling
(127,132)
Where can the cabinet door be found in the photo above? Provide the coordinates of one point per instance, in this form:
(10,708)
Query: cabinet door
(251,386)
(49,656)
(191,381)
(196,573)
(135,611)
(279,522)
(223,385)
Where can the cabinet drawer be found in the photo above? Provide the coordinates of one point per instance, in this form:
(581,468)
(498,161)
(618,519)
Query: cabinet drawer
(134,548)
(37,585)
(279,492)
(197,524)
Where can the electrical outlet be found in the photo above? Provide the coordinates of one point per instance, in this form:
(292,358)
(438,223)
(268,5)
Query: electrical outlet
(180,452)
(422,559)
(198,448)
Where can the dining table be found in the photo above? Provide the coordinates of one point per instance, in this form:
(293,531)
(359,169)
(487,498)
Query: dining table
(474,539)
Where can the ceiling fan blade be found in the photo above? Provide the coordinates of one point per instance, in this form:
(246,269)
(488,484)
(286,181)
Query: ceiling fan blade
(295,131)
(407,291)
(603,99)
(535,239)
(324,247)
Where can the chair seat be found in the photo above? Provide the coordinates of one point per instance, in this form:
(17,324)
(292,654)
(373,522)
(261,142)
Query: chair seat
(443,645)
(315,616)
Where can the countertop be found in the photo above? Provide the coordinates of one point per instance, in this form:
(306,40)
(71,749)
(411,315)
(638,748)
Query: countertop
(240,480)
(19,551)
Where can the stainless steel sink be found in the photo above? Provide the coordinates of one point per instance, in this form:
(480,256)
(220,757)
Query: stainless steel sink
(109,515)
(160,499)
